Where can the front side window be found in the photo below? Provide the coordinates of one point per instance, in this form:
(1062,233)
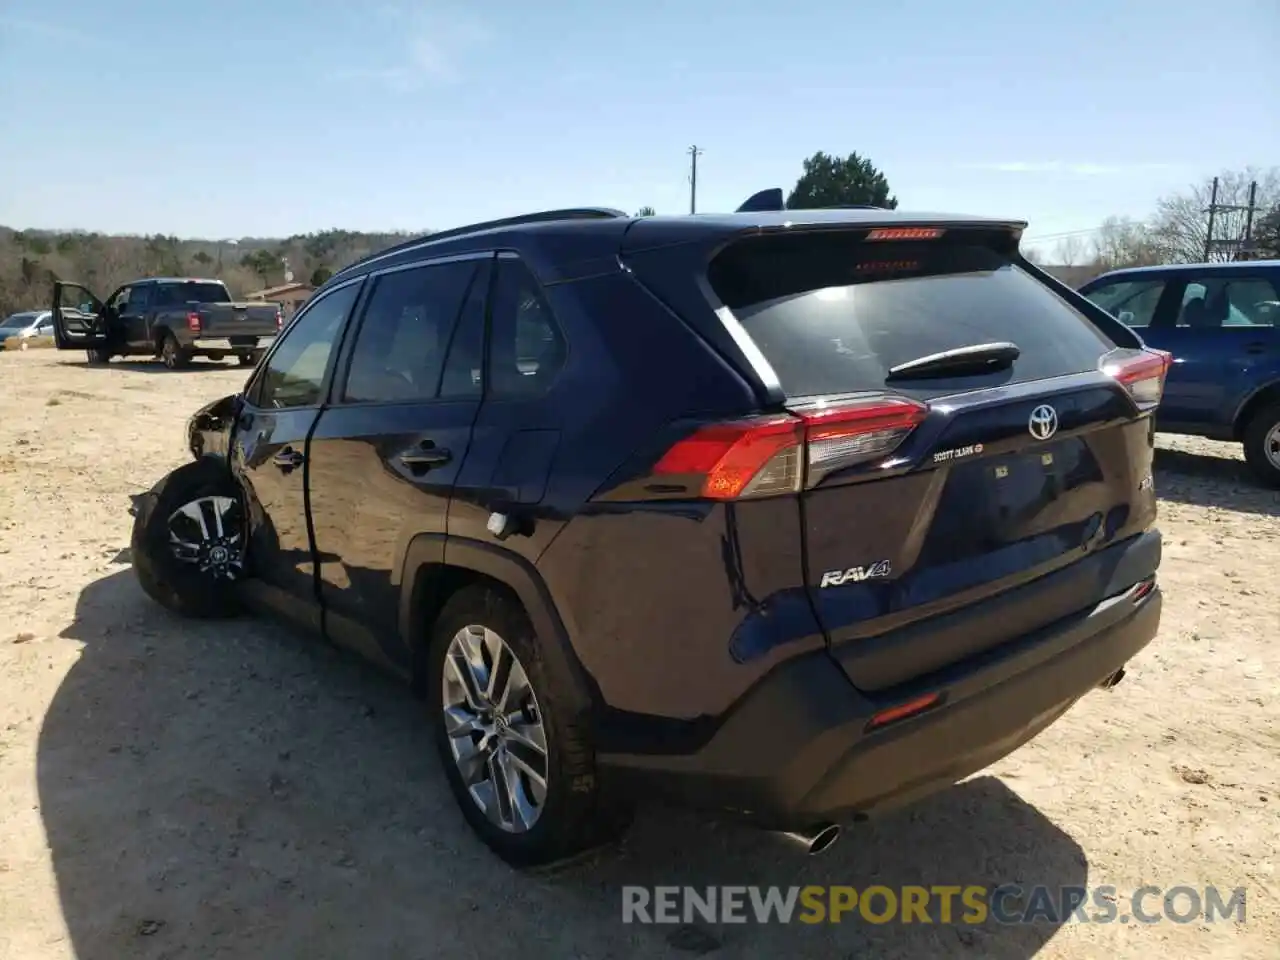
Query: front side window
(293,376)
(400,347)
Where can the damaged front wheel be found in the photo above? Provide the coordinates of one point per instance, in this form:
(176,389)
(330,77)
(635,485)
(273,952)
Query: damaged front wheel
(190,540)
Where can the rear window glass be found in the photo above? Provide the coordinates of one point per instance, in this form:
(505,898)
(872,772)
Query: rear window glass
(833,313)
(193,292)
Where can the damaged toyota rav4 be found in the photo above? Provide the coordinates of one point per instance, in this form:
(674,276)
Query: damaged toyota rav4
(791,516)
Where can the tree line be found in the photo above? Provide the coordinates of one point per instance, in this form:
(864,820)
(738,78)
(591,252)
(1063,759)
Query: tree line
(1176,232)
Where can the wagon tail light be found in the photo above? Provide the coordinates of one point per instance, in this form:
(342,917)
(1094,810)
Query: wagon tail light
(193,322)
(783,453)
(279,321)
(1141,372)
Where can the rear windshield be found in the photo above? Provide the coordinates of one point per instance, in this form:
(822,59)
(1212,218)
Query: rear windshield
(832,313)
(191,292)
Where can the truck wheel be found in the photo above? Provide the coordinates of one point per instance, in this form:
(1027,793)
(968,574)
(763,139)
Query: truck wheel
(1262,444)
(189,541)
(98,356)
(172,354)
(518,757)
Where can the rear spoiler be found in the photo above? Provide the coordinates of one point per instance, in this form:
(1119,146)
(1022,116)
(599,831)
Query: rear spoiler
(773,199)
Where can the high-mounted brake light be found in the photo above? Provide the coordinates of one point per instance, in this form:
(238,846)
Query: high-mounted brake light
(905,233)
(777,454)
(193,322)
(1142,372)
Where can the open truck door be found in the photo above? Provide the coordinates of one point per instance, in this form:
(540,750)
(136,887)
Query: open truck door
(79,318)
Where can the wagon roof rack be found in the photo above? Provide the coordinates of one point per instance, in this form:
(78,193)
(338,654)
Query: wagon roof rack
(542,216)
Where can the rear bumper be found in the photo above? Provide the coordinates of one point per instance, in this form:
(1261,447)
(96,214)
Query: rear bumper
(228,344)
(797,751)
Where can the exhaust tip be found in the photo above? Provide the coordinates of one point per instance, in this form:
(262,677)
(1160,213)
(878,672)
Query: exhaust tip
(824,839)
(815,840)
(1112,680)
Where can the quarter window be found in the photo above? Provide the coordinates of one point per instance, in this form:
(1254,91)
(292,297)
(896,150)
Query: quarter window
(527,350)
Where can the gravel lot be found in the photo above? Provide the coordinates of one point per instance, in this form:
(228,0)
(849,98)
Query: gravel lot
(174,789)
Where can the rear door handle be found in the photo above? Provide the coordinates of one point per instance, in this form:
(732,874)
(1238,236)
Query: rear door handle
(1255,348)
(288,459)
(426,456)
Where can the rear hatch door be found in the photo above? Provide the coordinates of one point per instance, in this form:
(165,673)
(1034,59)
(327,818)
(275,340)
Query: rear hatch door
(970,433)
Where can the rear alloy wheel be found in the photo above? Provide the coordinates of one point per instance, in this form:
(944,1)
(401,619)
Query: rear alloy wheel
(189,542)
(514,734)
(1262,444)
(496,736)
(172,354)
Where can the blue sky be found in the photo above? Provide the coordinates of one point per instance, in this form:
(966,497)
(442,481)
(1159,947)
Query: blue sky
(270,117)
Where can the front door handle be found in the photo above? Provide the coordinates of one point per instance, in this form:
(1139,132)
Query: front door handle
(425,456)
(288,459)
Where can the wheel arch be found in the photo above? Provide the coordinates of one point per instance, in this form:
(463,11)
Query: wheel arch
(1265,395)
(437,566)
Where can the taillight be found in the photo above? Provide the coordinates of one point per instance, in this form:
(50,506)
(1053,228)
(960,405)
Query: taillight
(1142,372)
(279,321)
(777,454)
(193,322)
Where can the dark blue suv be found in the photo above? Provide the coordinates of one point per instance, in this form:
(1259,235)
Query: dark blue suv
(1221,323)
(789,515)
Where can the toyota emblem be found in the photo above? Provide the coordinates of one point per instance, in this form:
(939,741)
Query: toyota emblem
(1044,422)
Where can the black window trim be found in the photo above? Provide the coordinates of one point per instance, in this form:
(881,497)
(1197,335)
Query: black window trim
(342,369)
(326,383)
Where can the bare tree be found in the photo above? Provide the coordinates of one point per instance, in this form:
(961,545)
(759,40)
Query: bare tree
(1180,225)
(1123,242)
(1071,251)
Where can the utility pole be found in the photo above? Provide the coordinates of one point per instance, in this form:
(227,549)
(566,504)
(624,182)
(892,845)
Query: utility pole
(1215,206)
(1213,209)
(694,154)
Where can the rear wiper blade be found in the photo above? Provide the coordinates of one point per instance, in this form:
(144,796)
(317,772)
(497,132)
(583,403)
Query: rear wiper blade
(973,359)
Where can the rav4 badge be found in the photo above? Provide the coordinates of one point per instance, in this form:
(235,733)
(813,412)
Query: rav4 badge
(875,571)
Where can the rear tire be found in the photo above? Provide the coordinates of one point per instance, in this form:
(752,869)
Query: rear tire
(177,585)
(573,814)
(173,356)
(98,356)
(1262,444)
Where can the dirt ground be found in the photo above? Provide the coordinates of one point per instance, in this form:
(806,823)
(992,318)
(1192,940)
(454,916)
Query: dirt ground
(175,789)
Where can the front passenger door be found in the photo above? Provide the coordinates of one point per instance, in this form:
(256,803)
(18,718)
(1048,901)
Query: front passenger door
(269,454)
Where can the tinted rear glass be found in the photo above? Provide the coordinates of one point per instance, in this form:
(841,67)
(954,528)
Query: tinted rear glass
(178,293)
(833,313)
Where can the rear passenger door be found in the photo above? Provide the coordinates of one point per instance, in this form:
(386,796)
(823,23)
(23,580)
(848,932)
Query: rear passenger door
(1222,339)
(517,432)
(386,452)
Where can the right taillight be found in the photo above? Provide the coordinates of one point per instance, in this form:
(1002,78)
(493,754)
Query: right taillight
(769,455)
(193,322)
(1142,372)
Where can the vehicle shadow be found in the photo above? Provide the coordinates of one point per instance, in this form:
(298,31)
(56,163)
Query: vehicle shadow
(155,366)
(232,789)
(1203,480)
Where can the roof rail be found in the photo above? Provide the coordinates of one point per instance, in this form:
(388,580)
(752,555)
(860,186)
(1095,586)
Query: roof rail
(543,216)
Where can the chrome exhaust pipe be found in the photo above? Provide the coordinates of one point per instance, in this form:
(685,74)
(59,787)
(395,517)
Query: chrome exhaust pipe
(1112,680)
(815,839)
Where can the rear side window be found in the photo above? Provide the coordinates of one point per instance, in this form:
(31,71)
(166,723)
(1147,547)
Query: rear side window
(832,313)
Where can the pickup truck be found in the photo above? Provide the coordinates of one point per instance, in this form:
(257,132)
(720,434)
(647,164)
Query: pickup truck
(1219,321)
(173,318)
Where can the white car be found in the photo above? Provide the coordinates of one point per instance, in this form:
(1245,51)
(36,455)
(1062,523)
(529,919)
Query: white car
(31,323)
